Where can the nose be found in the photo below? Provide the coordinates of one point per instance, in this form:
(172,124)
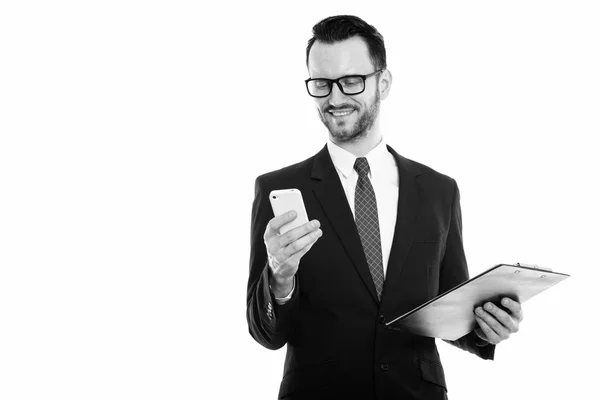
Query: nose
(336,97)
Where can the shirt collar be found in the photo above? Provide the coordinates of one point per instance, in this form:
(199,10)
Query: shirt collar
(344,161)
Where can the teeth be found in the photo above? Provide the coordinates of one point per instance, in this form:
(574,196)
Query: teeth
(341,113)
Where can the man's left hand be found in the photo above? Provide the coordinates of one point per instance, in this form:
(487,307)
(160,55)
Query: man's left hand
(495,324)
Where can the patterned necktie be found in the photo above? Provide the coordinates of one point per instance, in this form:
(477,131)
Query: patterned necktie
(367,222)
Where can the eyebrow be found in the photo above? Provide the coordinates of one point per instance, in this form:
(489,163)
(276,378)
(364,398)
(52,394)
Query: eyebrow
(341,76)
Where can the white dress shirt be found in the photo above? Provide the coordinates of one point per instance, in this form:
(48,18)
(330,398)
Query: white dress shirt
(385,180)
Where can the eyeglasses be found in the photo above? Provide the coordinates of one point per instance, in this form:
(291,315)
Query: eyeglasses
(349,84)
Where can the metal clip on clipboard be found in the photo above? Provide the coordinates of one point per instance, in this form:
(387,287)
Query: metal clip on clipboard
(532,266)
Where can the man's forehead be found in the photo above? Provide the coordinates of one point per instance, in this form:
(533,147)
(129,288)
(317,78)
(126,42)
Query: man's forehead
(332,60)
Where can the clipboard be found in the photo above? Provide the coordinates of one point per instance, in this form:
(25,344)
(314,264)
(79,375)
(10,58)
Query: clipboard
(450,315)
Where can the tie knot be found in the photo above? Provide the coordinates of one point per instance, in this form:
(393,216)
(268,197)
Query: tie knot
(361,165)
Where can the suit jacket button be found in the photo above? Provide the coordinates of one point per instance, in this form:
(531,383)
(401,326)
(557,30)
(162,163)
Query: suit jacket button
(384,367)
(381,319)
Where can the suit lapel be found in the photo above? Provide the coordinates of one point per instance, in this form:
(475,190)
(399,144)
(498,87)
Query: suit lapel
(406,223)
(330,194)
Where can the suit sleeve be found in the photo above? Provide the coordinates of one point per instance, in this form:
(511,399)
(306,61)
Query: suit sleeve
(269,323)
(454,271)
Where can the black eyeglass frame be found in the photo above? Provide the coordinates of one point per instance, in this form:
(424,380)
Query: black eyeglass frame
(339,85)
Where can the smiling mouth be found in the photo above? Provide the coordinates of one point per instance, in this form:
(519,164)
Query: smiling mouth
(341,113)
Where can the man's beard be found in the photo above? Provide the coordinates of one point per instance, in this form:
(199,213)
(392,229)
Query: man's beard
(361,127)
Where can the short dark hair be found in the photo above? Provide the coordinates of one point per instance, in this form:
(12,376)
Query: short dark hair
(341,27)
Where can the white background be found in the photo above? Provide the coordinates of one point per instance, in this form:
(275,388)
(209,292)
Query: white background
(131,133)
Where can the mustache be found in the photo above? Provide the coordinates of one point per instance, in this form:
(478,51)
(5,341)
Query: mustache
(338,108)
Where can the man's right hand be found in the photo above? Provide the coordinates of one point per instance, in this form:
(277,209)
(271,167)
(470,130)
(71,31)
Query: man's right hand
(285,251)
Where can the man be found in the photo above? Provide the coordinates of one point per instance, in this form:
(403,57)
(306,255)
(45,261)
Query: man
(386,237)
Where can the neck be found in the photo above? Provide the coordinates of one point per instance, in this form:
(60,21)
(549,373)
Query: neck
(364,145)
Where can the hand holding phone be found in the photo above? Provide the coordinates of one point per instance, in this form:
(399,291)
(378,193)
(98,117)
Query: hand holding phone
(288,238)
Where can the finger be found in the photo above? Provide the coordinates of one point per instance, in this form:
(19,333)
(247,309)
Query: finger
(275,223)
(296,257)
(505,318)
(301,243)
(482,339)
(480,333)
(490,334)
(514,307)
(298,232)
(499,329)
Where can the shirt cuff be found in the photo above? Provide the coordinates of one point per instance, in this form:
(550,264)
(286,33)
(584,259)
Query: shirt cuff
(283,300)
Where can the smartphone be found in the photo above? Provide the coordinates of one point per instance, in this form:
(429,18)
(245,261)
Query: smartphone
(285,200)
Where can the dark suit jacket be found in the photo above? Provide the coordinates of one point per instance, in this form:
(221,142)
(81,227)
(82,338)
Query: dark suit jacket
(337,342)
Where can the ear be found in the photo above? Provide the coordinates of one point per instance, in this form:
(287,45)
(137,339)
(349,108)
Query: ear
(385,83)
